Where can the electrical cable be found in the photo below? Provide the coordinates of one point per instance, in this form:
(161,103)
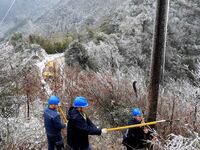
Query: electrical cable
(7,12)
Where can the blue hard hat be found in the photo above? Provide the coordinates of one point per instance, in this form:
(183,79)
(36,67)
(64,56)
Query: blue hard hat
(80,102)
(136,112)
(53,100)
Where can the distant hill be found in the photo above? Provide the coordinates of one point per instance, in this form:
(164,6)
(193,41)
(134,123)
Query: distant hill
(22,11)
(70,15)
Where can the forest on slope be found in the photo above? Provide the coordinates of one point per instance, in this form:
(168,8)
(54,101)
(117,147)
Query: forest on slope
(101,61)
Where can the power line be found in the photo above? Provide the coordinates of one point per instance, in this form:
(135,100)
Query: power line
(13,2)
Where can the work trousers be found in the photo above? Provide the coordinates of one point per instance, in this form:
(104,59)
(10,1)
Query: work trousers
(55,141)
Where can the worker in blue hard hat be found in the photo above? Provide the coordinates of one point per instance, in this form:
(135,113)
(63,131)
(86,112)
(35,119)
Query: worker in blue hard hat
(80,126)
(136,138)
(53,124)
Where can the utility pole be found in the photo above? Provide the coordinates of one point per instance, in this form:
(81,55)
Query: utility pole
(158,55)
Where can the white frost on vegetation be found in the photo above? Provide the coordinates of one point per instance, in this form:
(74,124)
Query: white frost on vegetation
(23,131)
(178,142)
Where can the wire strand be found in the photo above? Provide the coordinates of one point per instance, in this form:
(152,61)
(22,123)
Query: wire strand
(7,12)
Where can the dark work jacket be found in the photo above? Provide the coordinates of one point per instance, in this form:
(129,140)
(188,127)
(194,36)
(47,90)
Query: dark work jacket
(52,122)
(78,129)
(134,137)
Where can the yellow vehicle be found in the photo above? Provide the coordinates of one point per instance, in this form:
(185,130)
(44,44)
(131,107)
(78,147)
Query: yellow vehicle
(51,64)
(48,74)
(50,69)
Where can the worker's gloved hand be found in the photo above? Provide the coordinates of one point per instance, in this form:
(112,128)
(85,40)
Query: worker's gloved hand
(104,130)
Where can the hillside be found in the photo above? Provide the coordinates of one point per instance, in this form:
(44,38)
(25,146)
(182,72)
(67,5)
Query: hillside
(108,46)
(21,13)
(68,16)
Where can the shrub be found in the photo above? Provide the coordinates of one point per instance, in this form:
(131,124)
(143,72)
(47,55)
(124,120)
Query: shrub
(77,55)
(16,38)
(108,28)
(51,45)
